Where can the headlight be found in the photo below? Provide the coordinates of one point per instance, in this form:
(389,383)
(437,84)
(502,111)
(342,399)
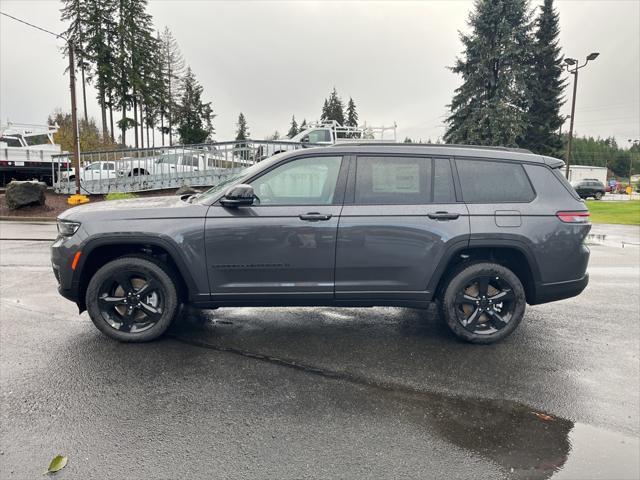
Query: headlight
(67,228)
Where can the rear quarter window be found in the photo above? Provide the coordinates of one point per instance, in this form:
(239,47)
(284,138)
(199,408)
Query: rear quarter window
(485,181)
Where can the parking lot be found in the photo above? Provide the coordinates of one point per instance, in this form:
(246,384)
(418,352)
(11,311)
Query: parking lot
(321,392)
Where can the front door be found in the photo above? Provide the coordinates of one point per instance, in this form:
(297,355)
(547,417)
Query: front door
(284,244)
(400,217)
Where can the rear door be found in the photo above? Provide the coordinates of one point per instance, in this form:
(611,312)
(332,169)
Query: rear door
(401,216)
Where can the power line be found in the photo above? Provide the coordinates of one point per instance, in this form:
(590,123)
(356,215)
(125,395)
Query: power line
(34,26)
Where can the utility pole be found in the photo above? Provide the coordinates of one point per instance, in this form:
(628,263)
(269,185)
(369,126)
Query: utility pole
(74,116)
(572,62)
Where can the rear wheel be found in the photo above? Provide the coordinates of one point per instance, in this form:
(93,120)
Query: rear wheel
(132,299)
(483,302)
(598,196)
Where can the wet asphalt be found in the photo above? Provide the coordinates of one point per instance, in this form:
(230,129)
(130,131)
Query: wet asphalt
(321,392)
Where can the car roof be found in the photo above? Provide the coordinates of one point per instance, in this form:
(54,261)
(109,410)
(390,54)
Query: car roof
(447,150)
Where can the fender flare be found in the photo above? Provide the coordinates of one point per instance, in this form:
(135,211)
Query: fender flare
(174,252)
(459,246)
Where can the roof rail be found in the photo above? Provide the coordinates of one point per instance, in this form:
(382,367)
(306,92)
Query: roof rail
(443,145)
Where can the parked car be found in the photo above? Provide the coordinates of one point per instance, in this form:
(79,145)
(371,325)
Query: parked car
(92,171)
(590,188)
(345,226)
(174,161)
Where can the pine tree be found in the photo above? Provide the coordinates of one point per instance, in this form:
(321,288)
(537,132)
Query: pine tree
(352,114)
(173,69)
(324,115)
(100,29)
(546,86)
(293,129)
(491,105)
(303,125)
(242,133)
(335,110)
(194,116)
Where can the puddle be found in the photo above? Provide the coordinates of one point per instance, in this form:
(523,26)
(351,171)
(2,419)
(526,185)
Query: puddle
(526,443)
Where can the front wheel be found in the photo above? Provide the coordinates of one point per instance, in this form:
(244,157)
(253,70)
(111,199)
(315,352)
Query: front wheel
(483,302)
(132,299)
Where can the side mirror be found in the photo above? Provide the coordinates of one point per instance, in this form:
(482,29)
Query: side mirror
(237,196)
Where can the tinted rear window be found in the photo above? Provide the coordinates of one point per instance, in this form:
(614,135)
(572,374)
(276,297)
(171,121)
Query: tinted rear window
(493,182)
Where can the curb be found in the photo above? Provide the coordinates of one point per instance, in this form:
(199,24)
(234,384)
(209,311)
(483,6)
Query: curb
(27,219)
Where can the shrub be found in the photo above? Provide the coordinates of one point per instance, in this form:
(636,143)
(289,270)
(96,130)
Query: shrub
(119,196)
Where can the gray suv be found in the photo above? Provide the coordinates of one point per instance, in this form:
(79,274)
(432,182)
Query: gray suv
(483,231)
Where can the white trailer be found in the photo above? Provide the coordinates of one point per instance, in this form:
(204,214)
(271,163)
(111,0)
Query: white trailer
(584,172)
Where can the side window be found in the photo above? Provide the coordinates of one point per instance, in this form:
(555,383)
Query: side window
(317,136)
(443,190)
(493,182)
(308,181)
(190,161)
(108,166)
(393,180)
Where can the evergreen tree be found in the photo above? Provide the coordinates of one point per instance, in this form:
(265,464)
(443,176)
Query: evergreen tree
(335,108)
(303,125)
(352,114)
(546,86)
(194,116)
(491,105)
(324,116)
(242,133)
(293,129)
(100,30)
(173,70)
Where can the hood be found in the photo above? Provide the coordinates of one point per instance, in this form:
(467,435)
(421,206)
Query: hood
(149,207)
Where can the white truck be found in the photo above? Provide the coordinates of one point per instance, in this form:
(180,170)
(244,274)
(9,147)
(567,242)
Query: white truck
(27,152)
(327,133)
(587,172)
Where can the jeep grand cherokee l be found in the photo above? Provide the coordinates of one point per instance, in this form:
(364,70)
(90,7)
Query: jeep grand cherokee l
(483,231)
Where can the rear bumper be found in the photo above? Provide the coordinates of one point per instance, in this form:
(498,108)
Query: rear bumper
(550,292)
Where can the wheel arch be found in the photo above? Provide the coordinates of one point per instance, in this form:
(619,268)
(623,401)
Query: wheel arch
(97,252)
(512,254)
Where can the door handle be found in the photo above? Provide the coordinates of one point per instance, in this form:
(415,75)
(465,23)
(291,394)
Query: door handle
(443,216)
(314,216)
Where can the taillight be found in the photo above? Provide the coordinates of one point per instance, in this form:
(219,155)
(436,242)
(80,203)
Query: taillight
(573,217)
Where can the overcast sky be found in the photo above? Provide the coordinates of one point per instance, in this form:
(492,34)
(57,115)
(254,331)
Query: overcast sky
(274,59)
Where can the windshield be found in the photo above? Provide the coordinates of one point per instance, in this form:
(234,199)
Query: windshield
(235,177)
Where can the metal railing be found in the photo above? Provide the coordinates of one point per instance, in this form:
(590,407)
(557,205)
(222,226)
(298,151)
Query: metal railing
(143,169)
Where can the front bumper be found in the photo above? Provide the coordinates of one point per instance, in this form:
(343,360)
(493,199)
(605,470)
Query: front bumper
(62,253)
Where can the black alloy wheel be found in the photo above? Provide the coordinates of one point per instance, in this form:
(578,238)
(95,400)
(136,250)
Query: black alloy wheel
(485,305)
(131,301)
(483,302)
(132,298)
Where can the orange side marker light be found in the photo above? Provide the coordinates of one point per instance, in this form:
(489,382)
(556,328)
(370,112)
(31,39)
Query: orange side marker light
(76,257)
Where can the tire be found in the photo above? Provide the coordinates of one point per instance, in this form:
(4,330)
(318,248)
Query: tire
(483,318)
(120,311)
(598,196)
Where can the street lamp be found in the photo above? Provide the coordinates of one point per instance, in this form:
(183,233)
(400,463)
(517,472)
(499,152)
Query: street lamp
(572,66)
